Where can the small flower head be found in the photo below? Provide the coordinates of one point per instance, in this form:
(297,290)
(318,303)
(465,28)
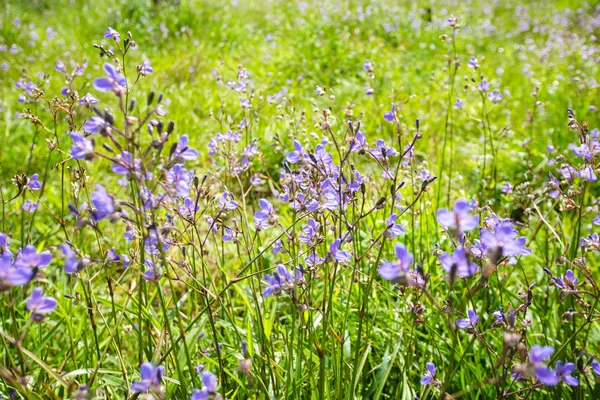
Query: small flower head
(429,376)
(151,376)
(40,305)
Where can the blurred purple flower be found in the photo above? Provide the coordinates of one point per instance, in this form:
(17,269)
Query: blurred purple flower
(227,202)
(72,262)
(40,305)
(209,388)
(95,125)
(113,82)
(458,263)
(393,229)
(495,96)
(469,322)
(505,239)
(296,155)
(395,270)
(151,376)
(145,69)
(390,115)
(125,164)
(103,204)
(82,148)
(459,218)
(339,255)
(282,280)
(183,151)
(473,63)
(88,99)
(484,86)
(111,34)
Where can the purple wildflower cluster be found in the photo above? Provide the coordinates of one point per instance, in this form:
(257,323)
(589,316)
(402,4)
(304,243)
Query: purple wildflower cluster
(337,250)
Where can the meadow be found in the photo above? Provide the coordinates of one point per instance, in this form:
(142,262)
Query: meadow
(299,200)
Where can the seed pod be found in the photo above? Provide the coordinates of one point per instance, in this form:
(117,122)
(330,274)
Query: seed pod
(150,98)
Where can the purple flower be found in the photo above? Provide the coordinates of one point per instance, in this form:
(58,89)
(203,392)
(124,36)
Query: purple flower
(546,375)
(382,151)
(60,67)
(95,125)
(459,218)
(297,155)
(313,260)
(484,86)
(505,239)
(596,367)
(227,202)
(395,271)
(261,218)
(507,188)
(228,235)
(103,204)
(88,99)
(393,229)
(569,281)
(40,305)
(458,263)
(189,207)
(390,115)
(309,232)
(125,164)
(182,151)
(429,374)
(111,34)
(82,148)
(113,82)
(28,257)
(359,142)
(459,104)
(145,69)
(473,63)
(469,322)
(29,206)
(151,273)
(587,174)
(538,355)
(151,377)
(180,178)
(209,389)
(282,280)
(33,183)
(277,246)
(495,96)
(564,373)
(4,243)
(368,66)
(339,255)
(72,262)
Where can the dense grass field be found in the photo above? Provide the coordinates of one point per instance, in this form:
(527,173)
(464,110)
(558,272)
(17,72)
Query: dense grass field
(299,200)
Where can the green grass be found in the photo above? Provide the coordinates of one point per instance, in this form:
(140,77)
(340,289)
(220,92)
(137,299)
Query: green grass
(109,320)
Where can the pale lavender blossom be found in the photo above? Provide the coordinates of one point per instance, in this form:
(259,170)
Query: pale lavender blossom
(459,218)
(469,322)
(113,82)
(40,305)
